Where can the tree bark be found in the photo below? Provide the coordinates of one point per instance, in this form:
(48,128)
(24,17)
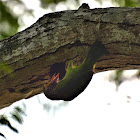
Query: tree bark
(35,54)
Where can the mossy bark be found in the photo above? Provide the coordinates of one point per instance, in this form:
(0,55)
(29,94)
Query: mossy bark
(35,54)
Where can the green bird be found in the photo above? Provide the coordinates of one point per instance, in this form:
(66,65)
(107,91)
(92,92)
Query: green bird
(76,78)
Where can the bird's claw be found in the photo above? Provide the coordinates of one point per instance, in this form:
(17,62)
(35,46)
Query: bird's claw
(94,66)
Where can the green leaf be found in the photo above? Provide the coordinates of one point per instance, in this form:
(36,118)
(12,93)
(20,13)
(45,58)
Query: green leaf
(5,121)
(8,22)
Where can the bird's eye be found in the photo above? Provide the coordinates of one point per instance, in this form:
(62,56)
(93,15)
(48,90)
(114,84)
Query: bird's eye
(47,84)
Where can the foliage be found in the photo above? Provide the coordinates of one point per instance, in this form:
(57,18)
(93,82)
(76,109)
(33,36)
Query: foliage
(9,18)
(16,114)
(117,77)
(46,3)
(5,121)
(128,3)
(54,108)
(8,22)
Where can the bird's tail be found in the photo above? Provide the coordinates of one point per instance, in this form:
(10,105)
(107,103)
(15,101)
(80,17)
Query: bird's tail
(95,52)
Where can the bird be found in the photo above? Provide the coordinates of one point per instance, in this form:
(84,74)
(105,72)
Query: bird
(76,78)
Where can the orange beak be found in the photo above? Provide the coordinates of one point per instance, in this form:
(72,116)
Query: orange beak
(53,79)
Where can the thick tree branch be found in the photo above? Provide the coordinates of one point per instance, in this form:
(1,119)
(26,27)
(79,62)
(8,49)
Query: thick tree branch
(34,54)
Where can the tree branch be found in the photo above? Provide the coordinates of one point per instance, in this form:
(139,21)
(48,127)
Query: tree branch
(44,48)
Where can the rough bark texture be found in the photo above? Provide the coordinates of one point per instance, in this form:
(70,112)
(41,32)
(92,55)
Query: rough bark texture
(43,49)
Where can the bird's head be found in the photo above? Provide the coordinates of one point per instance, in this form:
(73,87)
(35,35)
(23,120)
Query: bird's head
(49,88)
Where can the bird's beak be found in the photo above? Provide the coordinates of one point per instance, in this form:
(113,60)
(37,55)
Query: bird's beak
(53,79)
